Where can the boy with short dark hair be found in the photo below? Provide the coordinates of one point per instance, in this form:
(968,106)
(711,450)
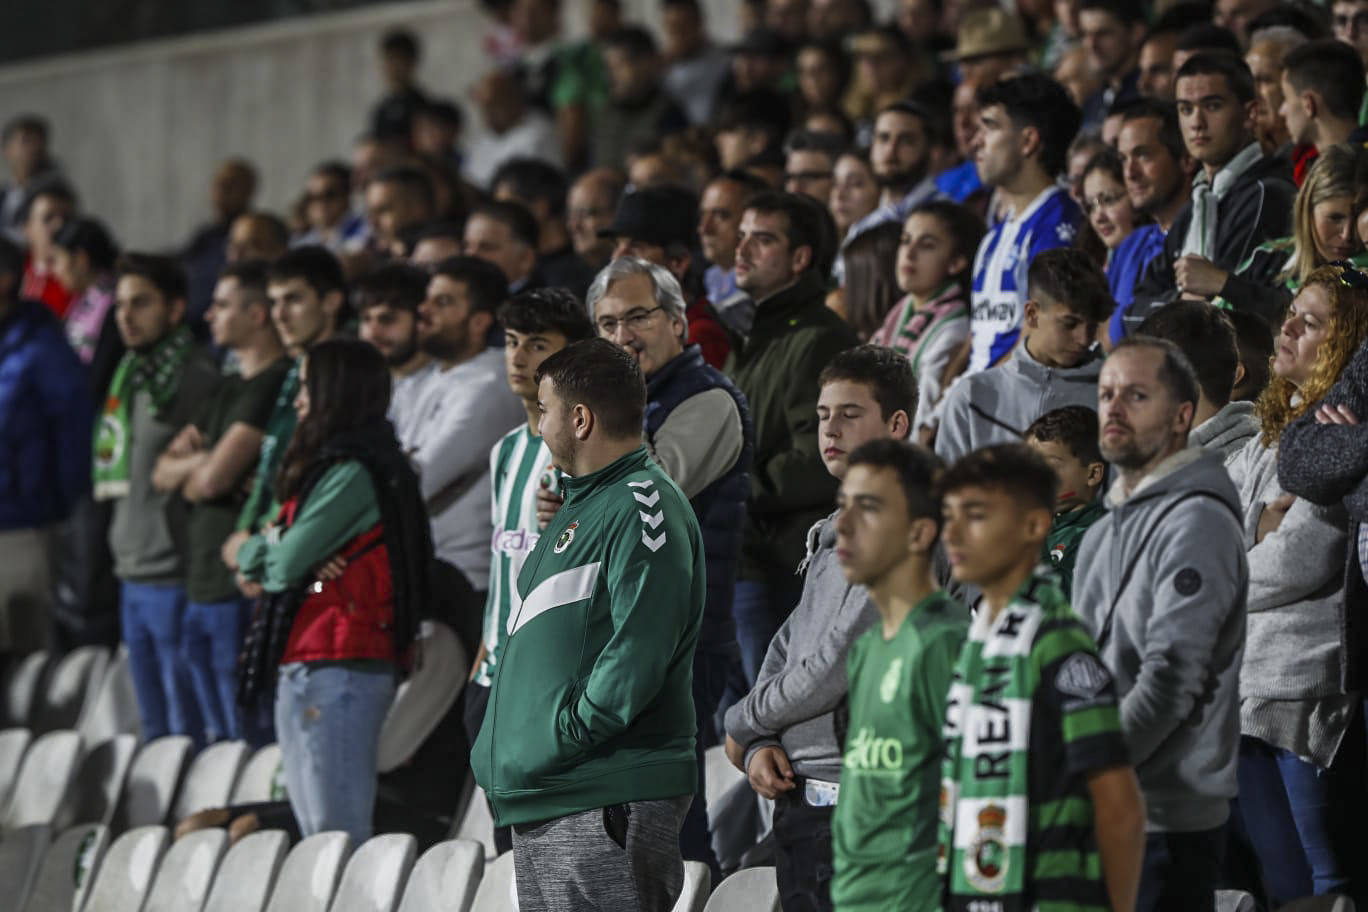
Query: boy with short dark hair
(1054,365)
(1067,440)
(883,833)
(1038,799)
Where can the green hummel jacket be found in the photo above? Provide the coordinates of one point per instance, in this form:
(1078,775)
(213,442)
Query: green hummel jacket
(592,701)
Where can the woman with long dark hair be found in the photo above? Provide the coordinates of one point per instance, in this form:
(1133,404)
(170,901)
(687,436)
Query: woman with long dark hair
(333,642)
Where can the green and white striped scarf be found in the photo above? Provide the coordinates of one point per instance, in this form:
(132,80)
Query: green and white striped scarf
(984,787)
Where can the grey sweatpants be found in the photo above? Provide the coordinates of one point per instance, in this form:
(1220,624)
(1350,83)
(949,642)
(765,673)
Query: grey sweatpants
(572,863)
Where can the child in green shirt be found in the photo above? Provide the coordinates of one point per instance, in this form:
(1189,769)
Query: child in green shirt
(884,829)
(1067,439)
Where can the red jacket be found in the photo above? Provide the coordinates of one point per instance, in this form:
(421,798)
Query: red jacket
(706,331)
(350,617)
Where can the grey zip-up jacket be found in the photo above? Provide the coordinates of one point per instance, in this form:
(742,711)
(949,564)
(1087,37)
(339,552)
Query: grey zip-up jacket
(1227,431)
(1161,582)
(803,678)
(998,405)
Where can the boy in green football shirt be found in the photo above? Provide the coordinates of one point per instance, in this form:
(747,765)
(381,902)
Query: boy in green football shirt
(1067,440)
(884,831)
(1040,808)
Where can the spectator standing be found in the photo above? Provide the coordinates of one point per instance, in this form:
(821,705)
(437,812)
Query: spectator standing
(784,253)
(1027,644)
(459,413)
(160,383)
(1054,365)
(1240,198)
(1301,751)
(596,791)
(46,453)
(24,144)
(698,429)
(884,828)
(1066,439)
(392,117)
(387,303)
(49,203)
(694,69)
(334,640)
(231,191)
(782,733)
(208,463)
(536,324)
(1206,337)
(1025,125)
(1157,170)
(931,323)
(327,211)
(1170,630)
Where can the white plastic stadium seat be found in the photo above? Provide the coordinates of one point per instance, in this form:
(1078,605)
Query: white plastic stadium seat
(376,875)
(21,854)
(425,696)
(476,823)
(309,876)
(43,780)
(127,871)
(21,687)
(445,878)
(210,779)
(152,781)
(498,890)
(257,780)
(697,883)
(99,782)
(748,890)
(13,743)
(719,776)
(1320,904)
(114,708)
(248,872)
(1235,901)
(70,687)
(68,869)
(186,872)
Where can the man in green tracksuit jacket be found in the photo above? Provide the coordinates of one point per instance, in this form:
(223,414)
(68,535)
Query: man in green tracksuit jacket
(587,749)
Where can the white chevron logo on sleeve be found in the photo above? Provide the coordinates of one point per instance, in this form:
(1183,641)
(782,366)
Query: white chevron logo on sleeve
(652,520)
(652,543)
(640,484)
(648,501)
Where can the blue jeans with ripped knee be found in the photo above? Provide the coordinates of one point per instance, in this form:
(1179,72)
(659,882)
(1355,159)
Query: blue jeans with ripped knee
(328,717)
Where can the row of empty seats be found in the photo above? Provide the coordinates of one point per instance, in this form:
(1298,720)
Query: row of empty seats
(143,871)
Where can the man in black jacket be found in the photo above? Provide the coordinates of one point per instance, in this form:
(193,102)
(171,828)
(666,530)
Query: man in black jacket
(1240,198)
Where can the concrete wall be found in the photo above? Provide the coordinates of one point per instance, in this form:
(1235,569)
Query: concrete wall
(141,128)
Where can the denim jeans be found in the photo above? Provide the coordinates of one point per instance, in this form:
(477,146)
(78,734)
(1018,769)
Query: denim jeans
(211,638)
(328,718)
(803,853)
(1180,871)
(1303,821)
(151,617)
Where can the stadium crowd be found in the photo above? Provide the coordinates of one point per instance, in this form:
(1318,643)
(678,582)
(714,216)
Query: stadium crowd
(954,418)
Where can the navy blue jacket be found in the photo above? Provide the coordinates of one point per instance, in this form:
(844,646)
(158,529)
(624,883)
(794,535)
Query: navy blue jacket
(721,506)
(46,421)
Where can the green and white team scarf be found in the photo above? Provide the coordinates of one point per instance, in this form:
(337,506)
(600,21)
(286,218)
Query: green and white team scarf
(159,372)
(984,786)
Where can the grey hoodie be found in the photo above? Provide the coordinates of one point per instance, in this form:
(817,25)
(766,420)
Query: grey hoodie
(999,404)
(1161,582)
(1227,431)
(803,678)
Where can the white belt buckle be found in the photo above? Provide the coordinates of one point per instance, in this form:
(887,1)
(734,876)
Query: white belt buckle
(820,794)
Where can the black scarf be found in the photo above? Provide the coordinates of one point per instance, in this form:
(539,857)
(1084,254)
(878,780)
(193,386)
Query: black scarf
(408,541)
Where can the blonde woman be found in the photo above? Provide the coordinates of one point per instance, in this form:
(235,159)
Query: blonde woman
(1301,754)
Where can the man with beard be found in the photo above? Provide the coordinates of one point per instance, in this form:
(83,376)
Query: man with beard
(387,303)
(463,409)
(1161,585)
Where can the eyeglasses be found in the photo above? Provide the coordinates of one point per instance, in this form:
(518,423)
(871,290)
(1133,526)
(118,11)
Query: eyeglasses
(1350,276)
(636,321)
(1101,199)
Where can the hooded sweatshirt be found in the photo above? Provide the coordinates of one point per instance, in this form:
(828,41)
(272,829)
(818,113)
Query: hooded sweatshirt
(803,678)
(1161,583)
(999,404)
(1227,431)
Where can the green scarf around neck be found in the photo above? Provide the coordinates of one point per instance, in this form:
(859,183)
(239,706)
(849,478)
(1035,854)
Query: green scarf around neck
(158,371)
